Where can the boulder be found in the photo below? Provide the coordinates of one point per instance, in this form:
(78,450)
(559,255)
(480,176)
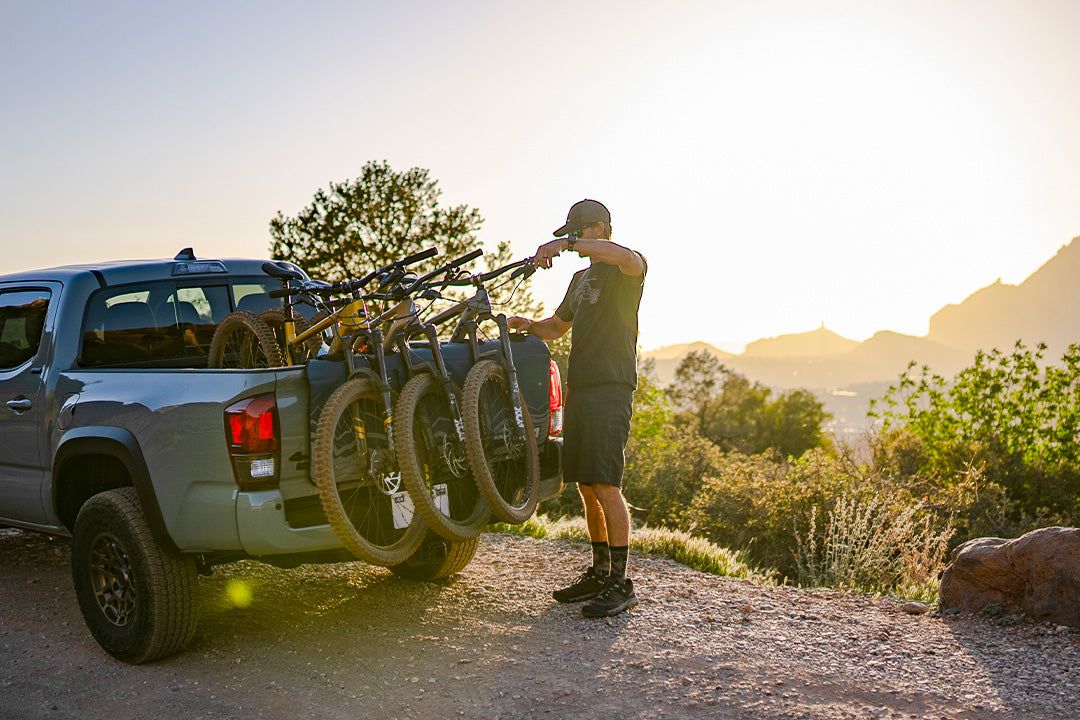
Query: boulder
(1037,575)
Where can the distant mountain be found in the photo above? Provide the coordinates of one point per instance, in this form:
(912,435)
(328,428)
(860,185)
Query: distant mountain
(880,358)
(668,357)
(678,351)
(816,343)
(1043,308)
(887,353)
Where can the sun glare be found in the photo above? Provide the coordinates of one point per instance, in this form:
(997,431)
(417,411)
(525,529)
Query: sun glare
(239,593)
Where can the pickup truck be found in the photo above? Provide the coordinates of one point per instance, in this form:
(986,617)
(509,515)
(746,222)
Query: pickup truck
(115,433)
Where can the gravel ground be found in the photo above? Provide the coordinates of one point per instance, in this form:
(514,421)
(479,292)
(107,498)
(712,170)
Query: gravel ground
(352,641)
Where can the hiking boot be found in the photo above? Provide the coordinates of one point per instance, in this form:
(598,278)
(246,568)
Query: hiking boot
(612,600)
(587,586)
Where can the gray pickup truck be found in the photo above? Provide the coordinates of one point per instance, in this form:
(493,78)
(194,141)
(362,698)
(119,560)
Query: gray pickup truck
(115,433)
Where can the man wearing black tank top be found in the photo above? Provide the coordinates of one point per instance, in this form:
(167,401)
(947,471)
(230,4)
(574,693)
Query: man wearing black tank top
(601,305)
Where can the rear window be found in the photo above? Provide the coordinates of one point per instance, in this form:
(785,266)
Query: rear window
(22,318)
(162,324)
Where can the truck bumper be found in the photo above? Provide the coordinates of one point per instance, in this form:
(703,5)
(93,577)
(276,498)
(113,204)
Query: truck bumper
(260,519)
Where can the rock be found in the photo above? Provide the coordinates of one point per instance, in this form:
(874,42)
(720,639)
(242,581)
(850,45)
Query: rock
(1037,575)
(914,607)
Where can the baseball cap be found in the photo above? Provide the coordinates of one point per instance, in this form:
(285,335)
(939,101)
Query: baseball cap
(582,214)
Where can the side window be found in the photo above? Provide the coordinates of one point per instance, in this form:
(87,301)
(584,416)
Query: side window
(22,318)
(253,297)
(155,325)
(165,323)
(119,328)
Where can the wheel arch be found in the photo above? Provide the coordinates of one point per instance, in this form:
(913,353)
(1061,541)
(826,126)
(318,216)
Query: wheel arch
(90,460)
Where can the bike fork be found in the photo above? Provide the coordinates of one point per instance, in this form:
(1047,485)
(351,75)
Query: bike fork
(444,379)
(384,388)
(511,371)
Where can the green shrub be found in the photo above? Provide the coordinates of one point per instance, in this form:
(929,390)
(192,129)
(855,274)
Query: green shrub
(757,503)
(665,471)
(1013,417)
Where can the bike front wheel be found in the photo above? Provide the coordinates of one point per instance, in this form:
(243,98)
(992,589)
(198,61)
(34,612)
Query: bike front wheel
(434,463)
(501,444)
(359,484)
(242,340)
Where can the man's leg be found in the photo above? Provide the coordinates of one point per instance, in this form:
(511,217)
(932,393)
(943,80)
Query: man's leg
(598,535)
(614,515)
(594,514)
(589,584)
(618,595)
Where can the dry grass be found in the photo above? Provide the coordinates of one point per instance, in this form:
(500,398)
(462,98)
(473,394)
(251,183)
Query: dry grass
(694,552)
(872,547)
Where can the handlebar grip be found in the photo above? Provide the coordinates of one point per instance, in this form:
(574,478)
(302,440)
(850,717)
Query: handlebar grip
(417,257)
(525,270)
(284,292)
(466,258)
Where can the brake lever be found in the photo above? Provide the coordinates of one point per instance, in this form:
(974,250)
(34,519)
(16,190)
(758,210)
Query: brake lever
(525,271)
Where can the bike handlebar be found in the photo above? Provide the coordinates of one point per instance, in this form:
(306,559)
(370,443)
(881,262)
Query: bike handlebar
(445,269)
(523,267)
(392,268)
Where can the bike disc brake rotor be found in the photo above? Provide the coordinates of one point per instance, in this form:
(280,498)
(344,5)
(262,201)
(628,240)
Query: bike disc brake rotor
(453,454)
(385,473)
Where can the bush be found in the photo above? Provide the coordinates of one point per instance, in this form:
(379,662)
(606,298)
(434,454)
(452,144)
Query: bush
(664,473)
(757,503)
(1012,417)
(872,546)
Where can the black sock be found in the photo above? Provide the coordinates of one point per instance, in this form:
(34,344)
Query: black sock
(601,558)
(618,562)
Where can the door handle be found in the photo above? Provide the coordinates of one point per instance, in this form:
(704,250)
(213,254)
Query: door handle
(20,405)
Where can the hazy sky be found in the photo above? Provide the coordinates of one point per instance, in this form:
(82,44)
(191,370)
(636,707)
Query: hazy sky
(781,164)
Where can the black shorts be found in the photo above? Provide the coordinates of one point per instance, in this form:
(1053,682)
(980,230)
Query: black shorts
(596,426)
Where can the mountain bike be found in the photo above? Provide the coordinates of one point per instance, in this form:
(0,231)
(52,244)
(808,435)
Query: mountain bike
(360,441)
(500,439)
(431,450)
(354,464)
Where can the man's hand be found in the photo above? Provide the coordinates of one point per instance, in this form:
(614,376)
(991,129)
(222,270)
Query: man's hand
(547,252)
(551,328)
(519,323)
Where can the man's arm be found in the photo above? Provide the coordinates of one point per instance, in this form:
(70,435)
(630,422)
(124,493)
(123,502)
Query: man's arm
(605,251)
(548,329)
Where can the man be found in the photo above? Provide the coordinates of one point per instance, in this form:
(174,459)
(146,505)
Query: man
(602,306)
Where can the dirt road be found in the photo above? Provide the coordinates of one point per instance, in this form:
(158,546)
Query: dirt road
(353,641)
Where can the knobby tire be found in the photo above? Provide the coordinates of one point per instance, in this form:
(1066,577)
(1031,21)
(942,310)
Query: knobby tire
(242,340)
(357,476)
(430,455)
(503,457)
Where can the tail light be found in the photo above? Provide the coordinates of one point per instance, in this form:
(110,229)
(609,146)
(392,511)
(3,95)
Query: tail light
(555,403)
(252,432)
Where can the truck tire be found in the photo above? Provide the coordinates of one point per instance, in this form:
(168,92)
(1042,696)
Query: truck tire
(503,457)
(437,558)
(242,340)
(358,477)
(434,464)
(139,603)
